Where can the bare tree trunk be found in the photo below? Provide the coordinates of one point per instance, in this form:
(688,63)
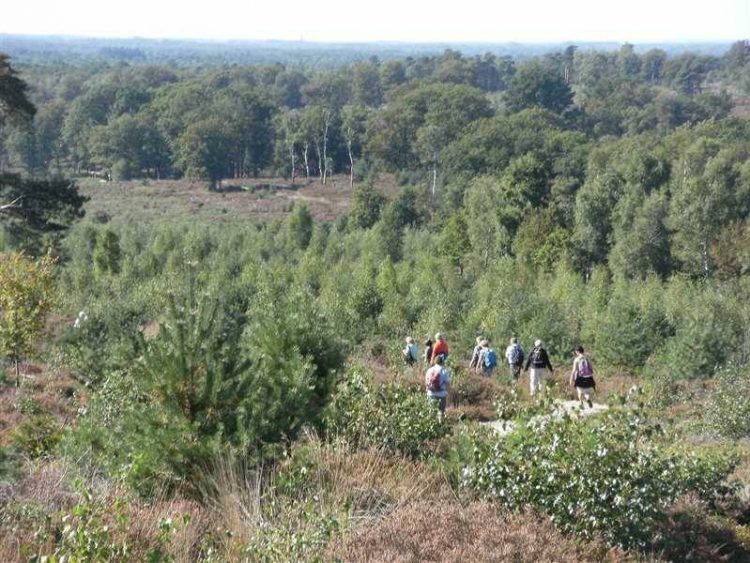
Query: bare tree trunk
(293,164)
(18,372)
(321,164)
(327,122)
(351,163)
(434,177)
(307,163)
(705,258)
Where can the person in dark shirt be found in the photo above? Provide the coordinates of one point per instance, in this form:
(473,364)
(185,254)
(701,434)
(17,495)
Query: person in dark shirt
(428,351)
(538,361)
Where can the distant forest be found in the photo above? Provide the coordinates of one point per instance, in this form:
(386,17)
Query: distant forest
(635,159)
(185,53)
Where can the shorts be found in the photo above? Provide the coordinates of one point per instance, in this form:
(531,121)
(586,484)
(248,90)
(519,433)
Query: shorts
(585,382)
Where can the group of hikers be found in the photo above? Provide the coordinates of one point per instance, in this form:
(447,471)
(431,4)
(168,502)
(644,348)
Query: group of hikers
(484,361)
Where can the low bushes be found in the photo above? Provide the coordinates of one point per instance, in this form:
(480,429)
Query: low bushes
(728,410)
(393,417)
(607,478)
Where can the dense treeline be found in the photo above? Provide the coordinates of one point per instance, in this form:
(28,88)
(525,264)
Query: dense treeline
(155,121)
(604,157)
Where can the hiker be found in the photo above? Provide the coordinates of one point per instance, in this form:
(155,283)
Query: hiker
(582,376)
(436,382)
(515,356)
(487,360)
(428,351)
(475,354)
(539,361)
(440,348)
(410,352)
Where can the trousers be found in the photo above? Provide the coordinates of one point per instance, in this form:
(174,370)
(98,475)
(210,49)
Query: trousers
(536,380)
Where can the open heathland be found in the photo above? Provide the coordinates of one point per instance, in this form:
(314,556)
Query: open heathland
(218,285)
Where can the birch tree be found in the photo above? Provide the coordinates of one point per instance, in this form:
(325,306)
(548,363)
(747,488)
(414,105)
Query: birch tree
(353,122)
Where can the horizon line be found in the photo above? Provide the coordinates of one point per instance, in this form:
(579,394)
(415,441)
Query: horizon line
(301,40)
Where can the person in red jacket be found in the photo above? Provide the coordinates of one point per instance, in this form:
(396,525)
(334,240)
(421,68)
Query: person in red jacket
(440,348)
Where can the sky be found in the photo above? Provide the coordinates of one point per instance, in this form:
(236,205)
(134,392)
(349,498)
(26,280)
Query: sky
(498,21)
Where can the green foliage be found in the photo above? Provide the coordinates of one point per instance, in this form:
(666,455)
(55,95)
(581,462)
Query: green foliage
(26,296)
(97,531)
(37,436)
(536,85)
(604,221)
(195,387)
(44,209)
(700,317)
(14,101)
(366,206)
(609,478)
(540,243)
(305,540)
(454,242)
(488,236)
(728,410)
(300,224)
(107,253)
(296,355)
(392,417)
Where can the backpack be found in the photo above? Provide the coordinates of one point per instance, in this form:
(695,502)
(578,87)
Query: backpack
(584,368)
(516,355)
(408,357)
(433,383)
(490,358)
(537,358)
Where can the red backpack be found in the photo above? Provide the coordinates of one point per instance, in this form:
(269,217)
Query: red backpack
(433,380)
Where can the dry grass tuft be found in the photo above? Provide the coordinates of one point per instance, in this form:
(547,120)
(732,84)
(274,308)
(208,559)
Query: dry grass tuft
(47,484)
(235,498)
(192,524)
(693,534)
(448,532)
(42,391)
(373,483)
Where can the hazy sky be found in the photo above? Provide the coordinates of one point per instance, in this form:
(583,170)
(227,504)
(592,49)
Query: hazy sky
(400,20)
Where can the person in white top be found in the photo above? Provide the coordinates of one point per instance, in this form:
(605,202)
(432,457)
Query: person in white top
(515,356)
(436,381)
(410,352)
(582,376)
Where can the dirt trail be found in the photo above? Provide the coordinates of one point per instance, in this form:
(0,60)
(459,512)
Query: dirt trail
(572,408)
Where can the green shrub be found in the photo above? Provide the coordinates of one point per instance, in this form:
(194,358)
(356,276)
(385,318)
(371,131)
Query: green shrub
(94,530)
(10,465)
(304,538)
(708,329)
(210,381)
(728,410)
(107,253)
(37,436)
(607,477)
(394,416)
